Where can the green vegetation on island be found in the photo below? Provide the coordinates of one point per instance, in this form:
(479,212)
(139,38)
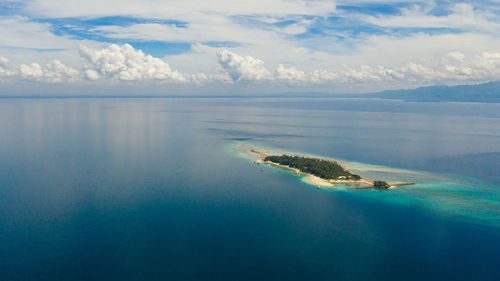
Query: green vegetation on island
(381,184)
(329,170)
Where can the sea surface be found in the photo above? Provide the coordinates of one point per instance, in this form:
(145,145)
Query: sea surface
(159,189)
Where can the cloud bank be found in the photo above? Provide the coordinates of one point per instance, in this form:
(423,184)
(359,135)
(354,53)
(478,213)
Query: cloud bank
(284,44)
(123,63)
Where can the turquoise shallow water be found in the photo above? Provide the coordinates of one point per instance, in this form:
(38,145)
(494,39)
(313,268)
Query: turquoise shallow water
(151,189)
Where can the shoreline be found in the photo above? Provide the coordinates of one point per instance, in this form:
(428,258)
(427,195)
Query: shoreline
(320,182)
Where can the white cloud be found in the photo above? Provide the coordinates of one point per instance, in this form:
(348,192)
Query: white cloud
(322,76)
(31,71)
(455,56)
(24,41)
(199,78)
(464,16)
(290,75)
(299,27)
(176,9)
(91,74)
(127,64)
(242,67)
(453,67)
(6,68)
(21,32)
(55,72)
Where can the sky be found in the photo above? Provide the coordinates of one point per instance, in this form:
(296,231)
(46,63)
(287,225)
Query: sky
(166,47)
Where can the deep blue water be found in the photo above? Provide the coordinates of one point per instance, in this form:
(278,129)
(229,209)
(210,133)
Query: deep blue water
(148,189)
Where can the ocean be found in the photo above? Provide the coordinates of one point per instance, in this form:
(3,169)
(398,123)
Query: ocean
(157,189)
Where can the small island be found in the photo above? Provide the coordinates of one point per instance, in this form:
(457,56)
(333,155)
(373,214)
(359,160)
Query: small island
(381,184)
(323,172)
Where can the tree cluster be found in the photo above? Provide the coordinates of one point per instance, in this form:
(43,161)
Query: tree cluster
(318,167)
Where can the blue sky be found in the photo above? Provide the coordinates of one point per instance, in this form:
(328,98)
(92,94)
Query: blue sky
(198,46)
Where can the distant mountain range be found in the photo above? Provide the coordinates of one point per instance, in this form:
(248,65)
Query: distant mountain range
(488,92)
